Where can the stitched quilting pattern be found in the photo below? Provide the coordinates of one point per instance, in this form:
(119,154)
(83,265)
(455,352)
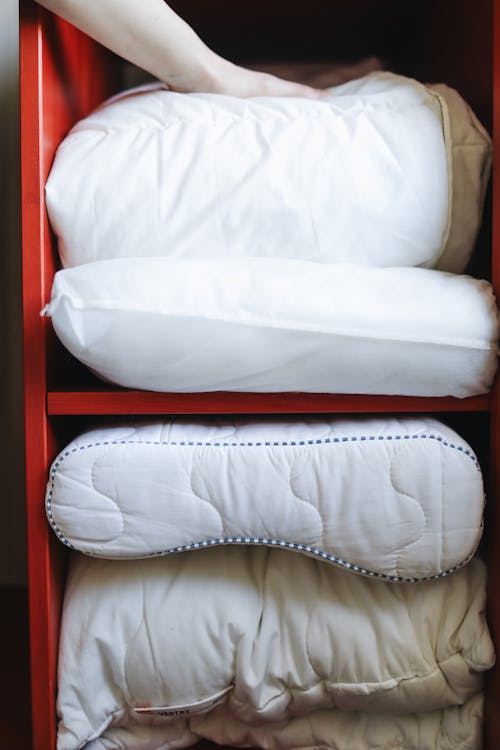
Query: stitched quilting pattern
(355,499)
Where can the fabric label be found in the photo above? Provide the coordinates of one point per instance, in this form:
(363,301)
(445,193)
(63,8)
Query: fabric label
(185,709)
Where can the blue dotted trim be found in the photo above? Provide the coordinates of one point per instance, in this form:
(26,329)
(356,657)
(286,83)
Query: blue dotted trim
(307,549)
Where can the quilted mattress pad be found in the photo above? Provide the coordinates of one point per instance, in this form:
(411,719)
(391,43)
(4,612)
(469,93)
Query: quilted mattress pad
(262,634)
(453,728)
(385,172)
(456,728)
(400,499)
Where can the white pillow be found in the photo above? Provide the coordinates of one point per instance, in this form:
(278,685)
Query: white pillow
(368,176)
(270,633)
(258,324)
(397,498)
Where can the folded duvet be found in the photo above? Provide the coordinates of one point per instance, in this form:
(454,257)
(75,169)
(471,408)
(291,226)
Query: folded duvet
(263,634)
(385,172)
(455,728)
(396,498)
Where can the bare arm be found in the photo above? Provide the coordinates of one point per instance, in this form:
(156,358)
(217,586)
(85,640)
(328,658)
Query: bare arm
(151,35)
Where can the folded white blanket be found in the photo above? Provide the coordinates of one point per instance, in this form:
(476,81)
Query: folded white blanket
(262,324)
(455,728)
(273,634)
(386,172)
(393,498)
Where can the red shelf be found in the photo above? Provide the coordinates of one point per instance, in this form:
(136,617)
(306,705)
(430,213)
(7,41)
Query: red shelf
(148,402)
(64,75)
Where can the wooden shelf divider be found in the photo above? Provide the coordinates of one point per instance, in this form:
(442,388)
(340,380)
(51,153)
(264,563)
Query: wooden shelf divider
(118,401)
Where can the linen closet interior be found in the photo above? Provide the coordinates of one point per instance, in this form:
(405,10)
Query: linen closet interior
(69,410)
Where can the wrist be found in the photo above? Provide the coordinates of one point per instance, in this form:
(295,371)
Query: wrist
(195,68)
(213,73)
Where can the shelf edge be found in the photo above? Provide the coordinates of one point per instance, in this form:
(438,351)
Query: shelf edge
(149,402)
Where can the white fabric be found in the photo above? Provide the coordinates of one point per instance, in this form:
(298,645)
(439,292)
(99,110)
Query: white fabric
(455,728)
(400,498)
(289,634)
(368,176)
(262,324)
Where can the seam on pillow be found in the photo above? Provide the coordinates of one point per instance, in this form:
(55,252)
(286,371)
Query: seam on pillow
(485,147)
(448,141)
(400,492)
(383,685)
(285,324)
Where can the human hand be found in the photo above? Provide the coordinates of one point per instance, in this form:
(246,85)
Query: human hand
(311,80)
(320,75)
(153,37)
(219,76)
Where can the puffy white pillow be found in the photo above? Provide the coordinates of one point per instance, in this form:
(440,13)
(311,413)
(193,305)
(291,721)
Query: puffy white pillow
(378,174)
(272,634)
(258,324)
(398,498)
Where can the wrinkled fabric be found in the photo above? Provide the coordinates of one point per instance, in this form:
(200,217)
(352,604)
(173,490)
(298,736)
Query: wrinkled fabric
(267,325)
(400,498)
(377,174)
(290,636)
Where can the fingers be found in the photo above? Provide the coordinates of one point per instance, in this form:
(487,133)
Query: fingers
(234,80)
(306,80)
(270,85)
(320,75)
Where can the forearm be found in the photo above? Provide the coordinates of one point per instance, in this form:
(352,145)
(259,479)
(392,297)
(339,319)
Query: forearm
(151,35)
(148,33)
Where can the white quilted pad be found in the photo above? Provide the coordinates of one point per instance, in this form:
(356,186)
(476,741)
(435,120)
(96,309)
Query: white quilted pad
(386,172)
(395,498)
(263,324)
(264,634)
(456,728)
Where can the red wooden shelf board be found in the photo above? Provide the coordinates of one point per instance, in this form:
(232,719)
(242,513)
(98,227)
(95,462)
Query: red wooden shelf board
(148,402)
